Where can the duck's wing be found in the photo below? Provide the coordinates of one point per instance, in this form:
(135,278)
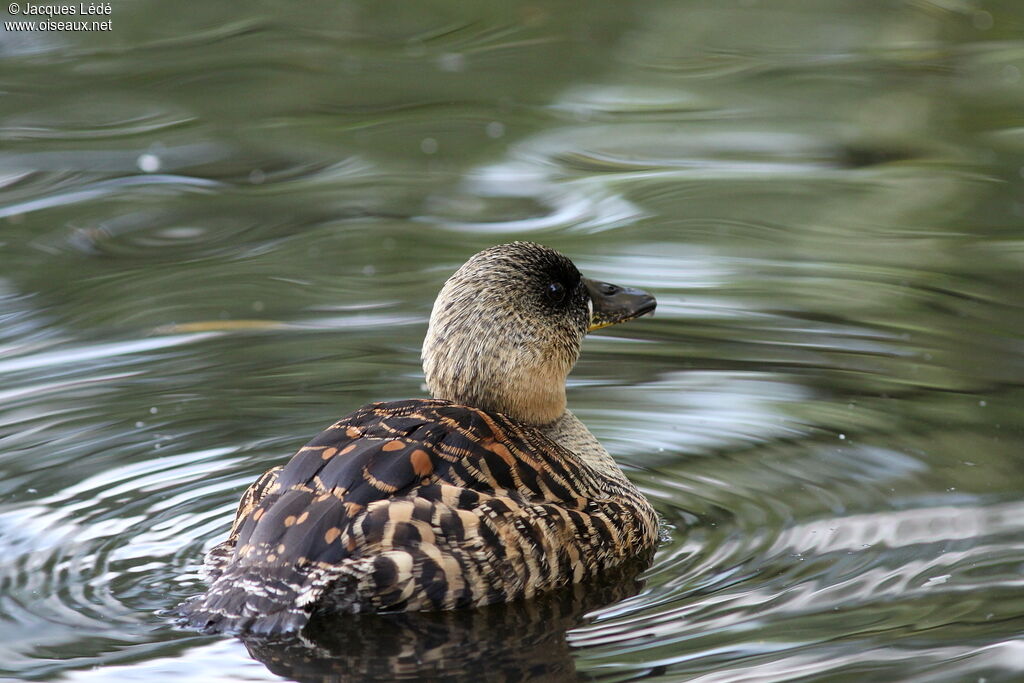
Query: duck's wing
(382,452)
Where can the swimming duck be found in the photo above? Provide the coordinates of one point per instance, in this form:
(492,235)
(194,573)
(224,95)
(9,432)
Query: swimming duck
(490,491)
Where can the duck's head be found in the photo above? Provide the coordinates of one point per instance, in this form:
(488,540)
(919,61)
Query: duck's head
(506,329)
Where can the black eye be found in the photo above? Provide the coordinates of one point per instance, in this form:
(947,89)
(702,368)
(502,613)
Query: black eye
(555,292)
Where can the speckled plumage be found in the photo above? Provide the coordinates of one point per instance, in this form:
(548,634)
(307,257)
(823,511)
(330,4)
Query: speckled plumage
(431,504)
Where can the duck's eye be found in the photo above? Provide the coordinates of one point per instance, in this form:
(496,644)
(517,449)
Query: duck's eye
(556,292)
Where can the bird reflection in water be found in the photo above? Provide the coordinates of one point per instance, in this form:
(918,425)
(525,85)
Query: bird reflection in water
(523,640)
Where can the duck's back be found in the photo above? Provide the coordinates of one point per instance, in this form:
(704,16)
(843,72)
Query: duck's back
(419,504)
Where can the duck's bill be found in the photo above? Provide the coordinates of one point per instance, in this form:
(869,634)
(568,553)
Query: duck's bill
(614,304)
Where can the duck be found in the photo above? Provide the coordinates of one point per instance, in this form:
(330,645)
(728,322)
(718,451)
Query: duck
(489,491)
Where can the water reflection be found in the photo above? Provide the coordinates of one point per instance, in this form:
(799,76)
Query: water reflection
(520,641)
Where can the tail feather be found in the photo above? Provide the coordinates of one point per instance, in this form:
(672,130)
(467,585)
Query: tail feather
(258,600)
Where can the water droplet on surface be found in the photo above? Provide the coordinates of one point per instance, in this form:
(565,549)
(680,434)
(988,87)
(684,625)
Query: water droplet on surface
(148,163)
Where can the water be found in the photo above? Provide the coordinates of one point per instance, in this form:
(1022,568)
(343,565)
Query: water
(222,227)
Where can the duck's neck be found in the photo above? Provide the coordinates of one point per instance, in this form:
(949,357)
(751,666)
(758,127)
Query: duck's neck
(462,366)
(567,431)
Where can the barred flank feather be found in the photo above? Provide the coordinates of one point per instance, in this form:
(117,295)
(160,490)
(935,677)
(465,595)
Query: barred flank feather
(413,505)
